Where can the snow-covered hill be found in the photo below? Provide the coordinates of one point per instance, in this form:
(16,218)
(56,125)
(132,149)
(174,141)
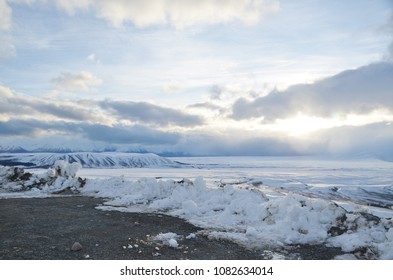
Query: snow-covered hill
(12,149)
(86,159)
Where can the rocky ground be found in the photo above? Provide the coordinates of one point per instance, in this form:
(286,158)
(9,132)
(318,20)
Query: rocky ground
(51,229)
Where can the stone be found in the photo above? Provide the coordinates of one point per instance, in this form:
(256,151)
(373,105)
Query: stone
(76,247)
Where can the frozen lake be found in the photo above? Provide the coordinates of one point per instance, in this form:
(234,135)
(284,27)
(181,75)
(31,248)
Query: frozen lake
(365,181)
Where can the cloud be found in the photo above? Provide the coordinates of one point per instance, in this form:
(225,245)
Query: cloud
(172,87)
(82,81)
(16,105)
(136,134)
(184,13)
(30,128)
(148,113)
(7,48)
(358,91)
(368,140)
(93,58)
(23,106)
(234,143)
(6,92)
(176,13)
(5,16)
(94,132)
(207,105)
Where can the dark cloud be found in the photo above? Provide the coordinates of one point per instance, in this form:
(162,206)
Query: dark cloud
(152,114)
(275,105)
(206,105)
(109,134)
(368,140)
(96,111)
(19,105)
(129,135)
(354,91)
(17,128)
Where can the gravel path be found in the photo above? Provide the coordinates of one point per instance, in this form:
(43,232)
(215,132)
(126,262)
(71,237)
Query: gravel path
(47,228)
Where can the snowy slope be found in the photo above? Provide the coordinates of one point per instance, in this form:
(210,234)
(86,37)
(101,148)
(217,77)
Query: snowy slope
(86,159)
(11,149)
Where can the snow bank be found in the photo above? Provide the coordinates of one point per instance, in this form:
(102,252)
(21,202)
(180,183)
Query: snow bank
(246,215)
(250,217)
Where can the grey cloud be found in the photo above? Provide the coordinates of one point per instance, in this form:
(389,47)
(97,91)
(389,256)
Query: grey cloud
(149,113)
(95,111)
(354,91)
(212,144)
(368,140)
(270,107)
(390,52)
(17,128)
(129,135)
(18,105)
(109,134)
(207,105)
(33,127)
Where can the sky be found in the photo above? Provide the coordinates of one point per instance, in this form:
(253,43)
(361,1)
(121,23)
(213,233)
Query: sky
(218,77)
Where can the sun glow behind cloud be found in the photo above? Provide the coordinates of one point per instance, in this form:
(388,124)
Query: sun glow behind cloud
(303,125)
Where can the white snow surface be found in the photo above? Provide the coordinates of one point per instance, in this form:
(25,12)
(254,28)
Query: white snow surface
(253,206)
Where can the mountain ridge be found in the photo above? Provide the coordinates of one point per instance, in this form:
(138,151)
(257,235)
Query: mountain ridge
(86,159)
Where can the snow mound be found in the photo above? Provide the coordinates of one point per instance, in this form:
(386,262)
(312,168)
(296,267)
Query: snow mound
(87,160)
(248,216)
(58,179)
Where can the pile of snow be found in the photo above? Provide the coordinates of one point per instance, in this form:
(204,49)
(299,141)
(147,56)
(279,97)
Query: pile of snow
(250,217)
(245,215)
(61,177)
(87,160)
(168,239)
(64,169)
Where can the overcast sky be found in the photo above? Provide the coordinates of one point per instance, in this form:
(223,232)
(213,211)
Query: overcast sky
(207,77)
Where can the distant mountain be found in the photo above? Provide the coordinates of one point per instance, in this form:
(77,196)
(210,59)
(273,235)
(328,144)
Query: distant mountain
(52,150)
(64,149)
(12,149)
(86,159)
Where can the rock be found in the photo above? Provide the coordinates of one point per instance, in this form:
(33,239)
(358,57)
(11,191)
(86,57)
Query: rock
(76,247)
(336,231)
(370,217)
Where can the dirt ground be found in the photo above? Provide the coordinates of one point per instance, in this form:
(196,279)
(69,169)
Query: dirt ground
(47,228)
